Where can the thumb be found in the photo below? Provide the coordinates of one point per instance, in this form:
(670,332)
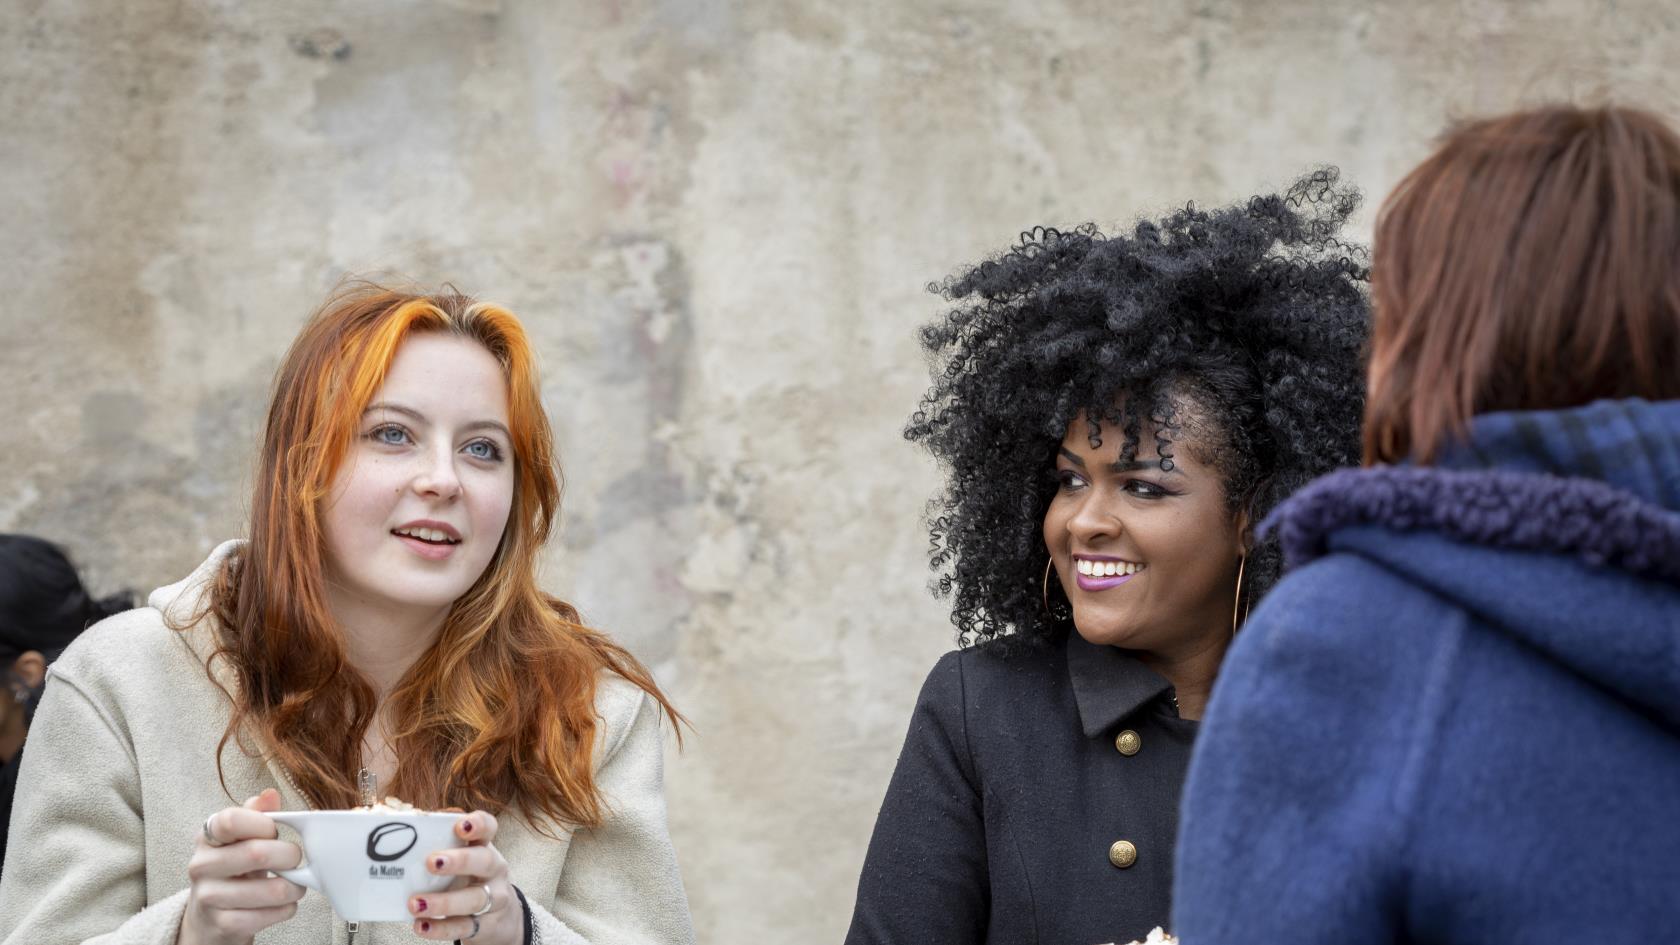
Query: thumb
(268,800)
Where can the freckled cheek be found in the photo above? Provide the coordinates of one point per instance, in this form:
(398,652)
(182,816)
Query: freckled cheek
(494,504)
(362,505)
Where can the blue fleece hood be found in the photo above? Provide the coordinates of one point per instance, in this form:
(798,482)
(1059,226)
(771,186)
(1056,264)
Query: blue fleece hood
(1559,528)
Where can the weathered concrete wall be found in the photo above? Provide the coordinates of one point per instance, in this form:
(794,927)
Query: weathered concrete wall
(717,219)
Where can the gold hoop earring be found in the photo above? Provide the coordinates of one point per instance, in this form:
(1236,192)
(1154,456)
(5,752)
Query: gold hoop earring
(1044,593)
(1236,605)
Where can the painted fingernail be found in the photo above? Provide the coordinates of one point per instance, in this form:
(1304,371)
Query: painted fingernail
(437,864)
(466,826)
(419,906)
(425,926)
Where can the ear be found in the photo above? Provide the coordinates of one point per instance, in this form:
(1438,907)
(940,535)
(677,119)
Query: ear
(1245,530)
(31,667)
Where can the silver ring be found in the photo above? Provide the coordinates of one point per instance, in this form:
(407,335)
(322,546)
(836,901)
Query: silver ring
(474,932)
(489,903)
(209,837)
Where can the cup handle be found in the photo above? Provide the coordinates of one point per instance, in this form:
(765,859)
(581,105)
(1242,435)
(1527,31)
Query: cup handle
(303,875)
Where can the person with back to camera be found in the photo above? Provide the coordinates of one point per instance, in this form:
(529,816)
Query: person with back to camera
(1111,413)
(383,616)
(43,606)
(1458,720)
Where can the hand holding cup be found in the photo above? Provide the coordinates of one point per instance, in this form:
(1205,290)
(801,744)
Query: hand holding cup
(480,905)
(233,895)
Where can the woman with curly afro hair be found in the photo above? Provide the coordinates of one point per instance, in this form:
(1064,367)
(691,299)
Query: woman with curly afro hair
(1113,414)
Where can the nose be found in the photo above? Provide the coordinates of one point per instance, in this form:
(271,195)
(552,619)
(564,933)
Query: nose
(1094,521)
(438,478)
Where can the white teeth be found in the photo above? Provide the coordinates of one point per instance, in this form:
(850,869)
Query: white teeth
(1099,569)
(425,534)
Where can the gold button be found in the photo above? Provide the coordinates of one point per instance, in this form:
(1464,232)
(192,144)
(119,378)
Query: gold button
(1128,742)
(1122,854)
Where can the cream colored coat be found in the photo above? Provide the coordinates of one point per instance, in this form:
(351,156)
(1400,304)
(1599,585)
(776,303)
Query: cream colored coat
(119,774)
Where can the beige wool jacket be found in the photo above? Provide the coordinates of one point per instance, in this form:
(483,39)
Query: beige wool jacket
(119,773)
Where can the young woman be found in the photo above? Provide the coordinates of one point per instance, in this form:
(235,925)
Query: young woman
(43,606)
(1112,414)
(1461,721)
(382,619)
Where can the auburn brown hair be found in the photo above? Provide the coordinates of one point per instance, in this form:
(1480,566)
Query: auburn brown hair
(500,712)
(1531,263)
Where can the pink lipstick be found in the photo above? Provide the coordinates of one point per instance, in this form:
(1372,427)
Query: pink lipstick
(1088,583)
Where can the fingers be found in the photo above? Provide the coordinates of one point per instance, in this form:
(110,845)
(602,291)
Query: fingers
(242,857)
(268,800)
(242,924)
(232,824)
(458,902)
(477,827)
(450,930)
(483,862)
(247,894)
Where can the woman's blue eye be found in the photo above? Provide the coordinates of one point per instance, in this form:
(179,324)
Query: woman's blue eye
(484,449)
(389,435)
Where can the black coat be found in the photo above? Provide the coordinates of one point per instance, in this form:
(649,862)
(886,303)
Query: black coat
(1002,820)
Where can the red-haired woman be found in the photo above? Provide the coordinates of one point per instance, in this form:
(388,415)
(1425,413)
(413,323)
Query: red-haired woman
(1460,722)
(383,619)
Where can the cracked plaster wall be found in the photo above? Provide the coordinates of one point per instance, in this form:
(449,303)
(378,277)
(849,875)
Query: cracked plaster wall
(717,219)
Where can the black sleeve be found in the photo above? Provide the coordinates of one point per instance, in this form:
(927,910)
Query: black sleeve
(925,879)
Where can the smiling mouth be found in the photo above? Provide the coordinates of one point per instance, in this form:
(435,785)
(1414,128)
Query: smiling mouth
(430,536)
(1091,567)
(1100,575)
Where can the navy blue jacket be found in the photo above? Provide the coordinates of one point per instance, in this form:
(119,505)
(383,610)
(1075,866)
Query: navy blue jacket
(1019,776)
(1460,723)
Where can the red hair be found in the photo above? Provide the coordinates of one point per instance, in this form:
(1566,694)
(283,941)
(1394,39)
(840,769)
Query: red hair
(1531,263)
(500,711)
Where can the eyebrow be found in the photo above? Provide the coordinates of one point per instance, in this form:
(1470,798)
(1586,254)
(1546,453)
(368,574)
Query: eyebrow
(1119,467)
(419,417)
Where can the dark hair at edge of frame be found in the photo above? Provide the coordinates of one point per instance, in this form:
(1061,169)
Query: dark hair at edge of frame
(1243,326)
(43,604)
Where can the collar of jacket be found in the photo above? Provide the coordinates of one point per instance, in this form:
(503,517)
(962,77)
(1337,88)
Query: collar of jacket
(1109,684)
(1600,483)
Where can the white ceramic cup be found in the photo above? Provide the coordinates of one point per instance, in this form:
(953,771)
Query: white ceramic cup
(369,863)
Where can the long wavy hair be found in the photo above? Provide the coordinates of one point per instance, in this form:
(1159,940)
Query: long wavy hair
(500,712)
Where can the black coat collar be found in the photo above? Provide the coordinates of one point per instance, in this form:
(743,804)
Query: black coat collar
(1109,684)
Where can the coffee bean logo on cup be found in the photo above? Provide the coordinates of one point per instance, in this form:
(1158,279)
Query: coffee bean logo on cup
(370,863)
(389,842)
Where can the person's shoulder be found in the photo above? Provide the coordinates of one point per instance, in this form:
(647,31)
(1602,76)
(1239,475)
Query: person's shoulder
(1343,626)
(121,644)
(1342,590)
(624,709)
(972,674)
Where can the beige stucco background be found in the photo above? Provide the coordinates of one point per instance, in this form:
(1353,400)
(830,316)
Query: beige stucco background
(717,219)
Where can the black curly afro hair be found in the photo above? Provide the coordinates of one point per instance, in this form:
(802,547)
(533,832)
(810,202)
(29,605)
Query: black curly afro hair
(1239,331)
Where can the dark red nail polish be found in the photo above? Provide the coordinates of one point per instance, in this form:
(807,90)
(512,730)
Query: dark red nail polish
(438,863)
(419,905)
(425,926)
(466,826)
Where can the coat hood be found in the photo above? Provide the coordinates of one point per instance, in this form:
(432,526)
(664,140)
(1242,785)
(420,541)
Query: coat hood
(1560,529)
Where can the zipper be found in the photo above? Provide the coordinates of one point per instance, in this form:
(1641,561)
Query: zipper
(350,929)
